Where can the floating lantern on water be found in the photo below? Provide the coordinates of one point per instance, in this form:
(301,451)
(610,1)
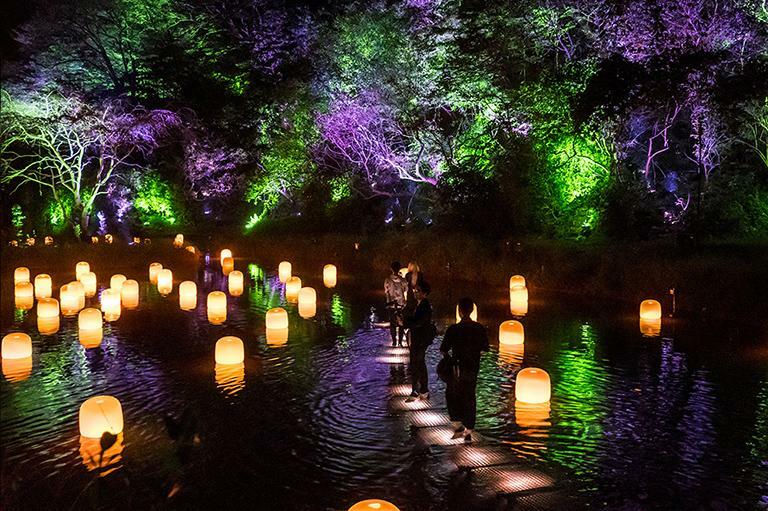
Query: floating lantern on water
(329,275)
(48,240)
(136,241)
(518,300)
(43,286)
(374,505)
(235,283)
(187,295)
(13,243)
(24,295)
(31,242)
(532,386)
(100,414)
(20,274)
(94,240)
(191,249)
(48,316)
(224,254)
(229,350)
(16,345)
(516,280)
(108,239)
(284,271)
(511,353)
(89,326)
(154,269)
(105,461)
(110,304)
(307,302)
(292,288)
(217,307)
(69,299)
(650,318)
(81,268)
(79,289)
(165,281)
(89,282)
(472,315)
(129,294)
(227,265)
(277,319)
(178,241)
(511,332)
(116,282)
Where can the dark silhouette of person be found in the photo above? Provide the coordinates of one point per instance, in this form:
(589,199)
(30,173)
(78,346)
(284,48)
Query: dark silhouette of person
(422,335)
(395,289)
(464,342)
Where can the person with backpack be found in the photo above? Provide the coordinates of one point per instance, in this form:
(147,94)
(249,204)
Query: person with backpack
(395,289)
(422,334)
(462,346)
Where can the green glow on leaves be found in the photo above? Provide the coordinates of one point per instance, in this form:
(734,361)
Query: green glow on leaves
(340,189)
(17,218)
(57,213)
(340,313)
(155,201)
(253,221)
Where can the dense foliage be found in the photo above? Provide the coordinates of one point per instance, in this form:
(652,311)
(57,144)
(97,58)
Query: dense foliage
(557,118)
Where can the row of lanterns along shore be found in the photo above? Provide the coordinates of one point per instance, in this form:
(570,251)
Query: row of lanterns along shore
(178,241)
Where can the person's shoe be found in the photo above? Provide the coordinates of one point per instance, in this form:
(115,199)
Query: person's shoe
(458,432)
(413,397)
(424,396)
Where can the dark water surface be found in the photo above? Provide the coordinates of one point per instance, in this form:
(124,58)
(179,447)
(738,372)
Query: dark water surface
(674,422)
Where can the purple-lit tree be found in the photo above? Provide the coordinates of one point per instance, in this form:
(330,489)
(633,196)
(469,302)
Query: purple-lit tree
(210,167)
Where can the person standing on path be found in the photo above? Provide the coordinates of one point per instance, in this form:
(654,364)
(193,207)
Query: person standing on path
(463,343)
(395,289)
(422,334)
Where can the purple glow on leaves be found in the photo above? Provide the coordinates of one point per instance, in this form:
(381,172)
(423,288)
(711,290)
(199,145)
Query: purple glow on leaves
(211,169)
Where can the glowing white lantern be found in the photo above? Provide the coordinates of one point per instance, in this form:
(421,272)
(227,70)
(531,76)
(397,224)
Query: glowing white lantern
(47,308)
(329,275)
(307,302)
(518,300)
(89,325)
(16,345)
(43,286)
(511,332)
(374,505)
(69,299)
(31,242)
(187,295)
(116,282)
(516,280)
(292,288)
(136,240)
(227,265)
(20,274)
(81,268)
(650,309)
(100,414)
(48,240)
(224,254)
(532,386)
(79,289)
(217,307)
(108,238)
(89,282)
(94,240)
(472,315)
(154,269)
(110,304)
(129,294)
(191,249)
(178,241)
(229,350)
(235,283)
(277,319)
(24,295)
(165,281)
(284,271)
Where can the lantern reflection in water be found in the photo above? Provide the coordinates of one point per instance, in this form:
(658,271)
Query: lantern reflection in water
(511,353)
(48,316)
(187,295)
(235,283)
(43,286)
(106,461)
(89,282)
(24,295)
(89,324)
(277,336)
(374,505)
(230,378)
(129,294)
(307,302)
(20,274)
(472,315)
(17,369)
(227,266)
(329,276)
(217,307)
(529,415)
(292,288)
(518,300)
(110,304)
(224,254)
(284,271)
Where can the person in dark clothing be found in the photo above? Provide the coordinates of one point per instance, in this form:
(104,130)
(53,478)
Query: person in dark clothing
(422,335)
(395,289)
(464,342)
